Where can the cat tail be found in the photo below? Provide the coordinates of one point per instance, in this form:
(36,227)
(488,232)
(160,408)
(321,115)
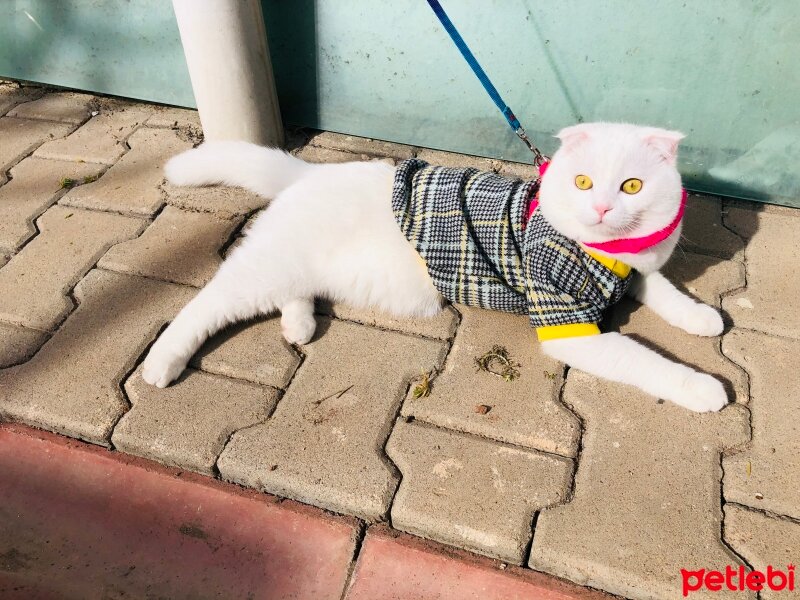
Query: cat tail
(265,171)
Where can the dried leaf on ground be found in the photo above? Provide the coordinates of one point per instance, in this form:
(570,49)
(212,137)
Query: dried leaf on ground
(497,362)
(423,388)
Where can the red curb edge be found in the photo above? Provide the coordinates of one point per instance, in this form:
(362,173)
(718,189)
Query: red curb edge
(151,466)
(80,521)
(394,565)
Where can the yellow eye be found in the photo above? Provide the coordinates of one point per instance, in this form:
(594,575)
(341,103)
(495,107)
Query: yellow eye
(631,186)
(583,182)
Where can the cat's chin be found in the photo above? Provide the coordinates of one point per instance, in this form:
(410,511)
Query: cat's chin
(602,232)
(599,231)
(580,232)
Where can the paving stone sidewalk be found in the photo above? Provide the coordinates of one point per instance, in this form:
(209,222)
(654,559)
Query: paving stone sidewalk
(555,471)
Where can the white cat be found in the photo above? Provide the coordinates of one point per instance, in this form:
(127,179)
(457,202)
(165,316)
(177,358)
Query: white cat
(330,232)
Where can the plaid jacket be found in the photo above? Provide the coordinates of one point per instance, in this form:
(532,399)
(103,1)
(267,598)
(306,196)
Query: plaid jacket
(469,228)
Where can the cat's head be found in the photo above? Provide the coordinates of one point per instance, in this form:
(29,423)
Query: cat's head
(612,180)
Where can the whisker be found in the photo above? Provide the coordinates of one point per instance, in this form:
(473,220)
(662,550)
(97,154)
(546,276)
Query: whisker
(680,247)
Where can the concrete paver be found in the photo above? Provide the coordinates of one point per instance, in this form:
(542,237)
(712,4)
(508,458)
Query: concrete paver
(66,107)
(72,385)
(318,154)
(77,521)
(101,139)
(647,494)
(187,424)
(13,94)
(765,542)
(18,344)
(22,136)
(36,184)
(224,202)
(253,351)
(132,185)
(323,445)
(170,116)
(180,246)
(42,274)
(360,145)
(451,159)
(522,171)
(758,207)
(441,326)
(704,231)
(471,492)
(773,272)
(393,566)
(525,411)
(766,475)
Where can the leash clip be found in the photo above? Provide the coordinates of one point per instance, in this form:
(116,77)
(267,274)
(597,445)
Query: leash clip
(538,158)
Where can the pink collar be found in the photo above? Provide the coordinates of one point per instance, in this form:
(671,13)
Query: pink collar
(627,245)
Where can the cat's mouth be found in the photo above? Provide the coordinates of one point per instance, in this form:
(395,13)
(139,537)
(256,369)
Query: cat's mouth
(614,228)
(630,227)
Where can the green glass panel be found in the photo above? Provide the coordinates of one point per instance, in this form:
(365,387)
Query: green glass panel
(126,48)
(725,72)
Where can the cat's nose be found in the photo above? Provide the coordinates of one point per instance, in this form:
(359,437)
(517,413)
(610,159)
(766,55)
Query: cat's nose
(601,210)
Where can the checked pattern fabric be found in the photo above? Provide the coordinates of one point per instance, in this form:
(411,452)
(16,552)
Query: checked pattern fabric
(469,228)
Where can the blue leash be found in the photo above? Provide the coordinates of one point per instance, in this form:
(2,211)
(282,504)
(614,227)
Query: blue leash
(539,158)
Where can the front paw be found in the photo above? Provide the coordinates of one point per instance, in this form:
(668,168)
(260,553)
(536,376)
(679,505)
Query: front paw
(161,367)
(702,320)
(702,393)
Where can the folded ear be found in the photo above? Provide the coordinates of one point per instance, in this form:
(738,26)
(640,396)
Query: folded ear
(574,135)
(664,141)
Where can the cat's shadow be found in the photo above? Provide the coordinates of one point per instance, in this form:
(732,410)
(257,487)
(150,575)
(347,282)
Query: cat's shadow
(324,322)
(709,239)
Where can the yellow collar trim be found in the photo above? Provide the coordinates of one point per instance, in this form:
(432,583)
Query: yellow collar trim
(557,332)
(617,267)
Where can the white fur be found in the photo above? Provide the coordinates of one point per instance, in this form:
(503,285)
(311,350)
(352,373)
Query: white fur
(330,232)
(618,358)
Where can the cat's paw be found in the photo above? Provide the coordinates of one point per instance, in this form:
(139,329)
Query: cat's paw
(161,368)
(298,328)
(702,320)
(702,393)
